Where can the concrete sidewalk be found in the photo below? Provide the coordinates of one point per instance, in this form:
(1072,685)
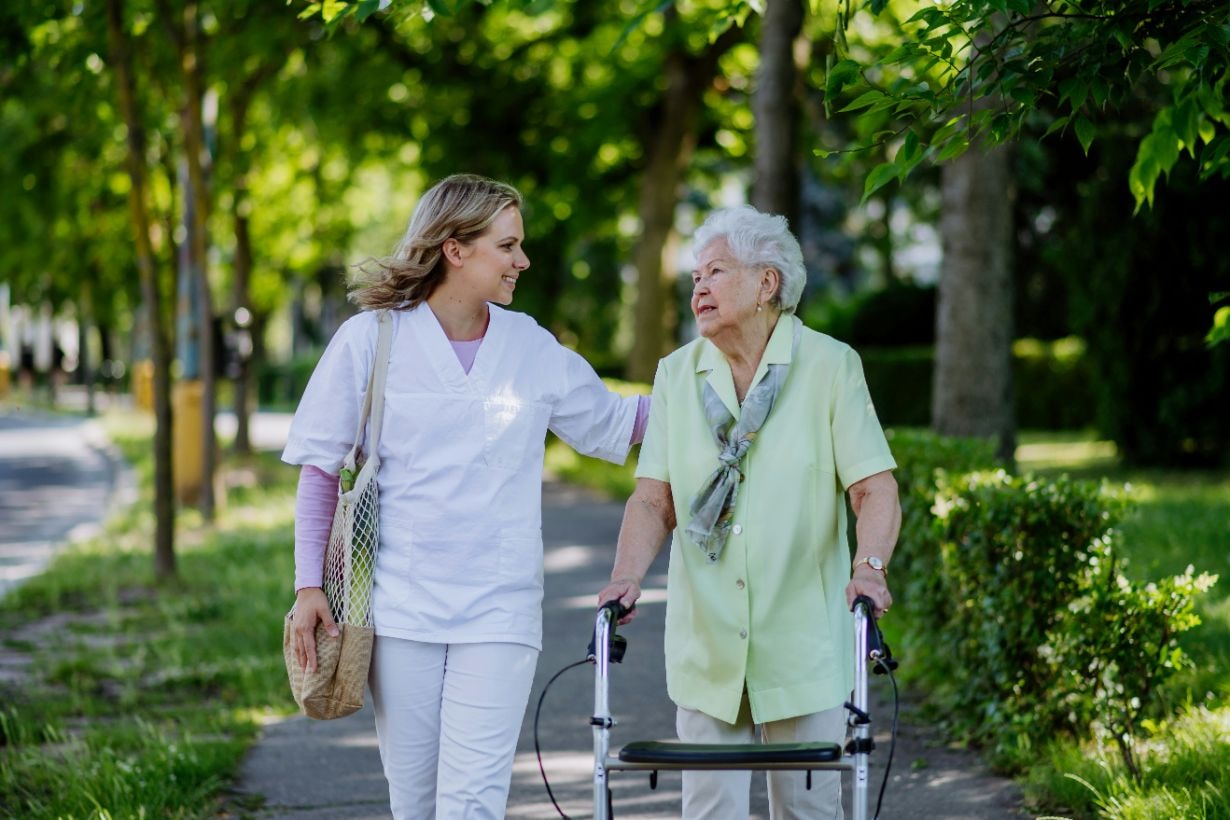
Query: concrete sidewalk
(303,769)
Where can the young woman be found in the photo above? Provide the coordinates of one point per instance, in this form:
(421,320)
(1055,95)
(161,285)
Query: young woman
(472,390)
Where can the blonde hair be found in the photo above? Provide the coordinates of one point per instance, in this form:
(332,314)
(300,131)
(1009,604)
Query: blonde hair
(458,207)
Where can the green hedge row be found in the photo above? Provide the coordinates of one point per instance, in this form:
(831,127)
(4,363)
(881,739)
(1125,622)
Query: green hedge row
(1017,614)
(1053,383)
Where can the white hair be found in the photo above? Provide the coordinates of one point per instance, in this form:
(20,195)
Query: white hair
(758,240)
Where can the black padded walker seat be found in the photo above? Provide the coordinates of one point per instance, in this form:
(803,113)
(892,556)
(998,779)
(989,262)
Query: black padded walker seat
(720,755)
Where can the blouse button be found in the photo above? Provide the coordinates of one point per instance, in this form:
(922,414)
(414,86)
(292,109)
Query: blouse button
(742,633)
(740,583)
(737,529)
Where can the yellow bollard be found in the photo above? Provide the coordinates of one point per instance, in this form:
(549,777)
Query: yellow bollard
(186,439)
(143,385)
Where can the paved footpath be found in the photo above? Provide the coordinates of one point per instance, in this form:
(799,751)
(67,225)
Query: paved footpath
(309,770)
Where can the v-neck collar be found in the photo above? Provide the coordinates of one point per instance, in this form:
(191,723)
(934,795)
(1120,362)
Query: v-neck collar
(779,350)
(443,358)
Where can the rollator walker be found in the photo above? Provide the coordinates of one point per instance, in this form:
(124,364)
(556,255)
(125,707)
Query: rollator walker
(654,756)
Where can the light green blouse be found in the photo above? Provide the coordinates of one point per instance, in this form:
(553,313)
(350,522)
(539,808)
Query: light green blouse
(771,613)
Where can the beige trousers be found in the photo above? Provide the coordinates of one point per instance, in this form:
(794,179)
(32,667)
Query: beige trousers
(725,795)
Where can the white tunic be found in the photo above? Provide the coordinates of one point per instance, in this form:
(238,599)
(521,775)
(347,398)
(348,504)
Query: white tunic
(460,557)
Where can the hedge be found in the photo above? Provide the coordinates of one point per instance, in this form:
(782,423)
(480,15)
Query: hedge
(1053,384)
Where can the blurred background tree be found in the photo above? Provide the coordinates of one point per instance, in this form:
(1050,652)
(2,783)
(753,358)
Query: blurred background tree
(623,123)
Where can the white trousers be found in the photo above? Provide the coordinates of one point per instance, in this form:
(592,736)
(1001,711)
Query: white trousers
(447,718)
(725,795)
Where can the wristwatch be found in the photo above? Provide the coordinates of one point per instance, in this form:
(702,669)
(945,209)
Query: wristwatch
(873,562)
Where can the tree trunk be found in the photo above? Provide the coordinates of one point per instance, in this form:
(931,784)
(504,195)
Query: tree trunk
(973,352)
(241,301)
(85,363)
(776,106)
(669,153)
(160,343)
(197,152)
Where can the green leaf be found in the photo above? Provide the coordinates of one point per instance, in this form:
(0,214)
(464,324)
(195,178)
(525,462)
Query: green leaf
(1085,132)
(1144,173)
(838,77)
(1075,90)
(1186,119)
(366,8)
(909,149)
(1024,95)
(1213,157)
(1219,333)
(1056,125)
(865,99)
(1100,90)
(953,148)
(1207,130)
(880,176)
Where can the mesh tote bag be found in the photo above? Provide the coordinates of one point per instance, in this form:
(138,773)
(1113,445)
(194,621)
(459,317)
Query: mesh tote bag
(335,689)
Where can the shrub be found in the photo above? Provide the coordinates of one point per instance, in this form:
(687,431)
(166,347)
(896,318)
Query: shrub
(922,457)
(1042,632)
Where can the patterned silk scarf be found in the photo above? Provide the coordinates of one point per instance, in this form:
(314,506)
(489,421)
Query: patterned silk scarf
(714,505)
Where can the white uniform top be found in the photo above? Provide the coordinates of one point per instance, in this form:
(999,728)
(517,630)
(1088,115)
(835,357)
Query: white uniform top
(460,557)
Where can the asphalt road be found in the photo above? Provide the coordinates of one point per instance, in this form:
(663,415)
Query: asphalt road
(59,479)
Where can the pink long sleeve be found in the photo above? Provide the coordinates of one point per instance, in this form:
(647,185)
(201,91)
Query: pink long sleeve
(315,503)
(642,419)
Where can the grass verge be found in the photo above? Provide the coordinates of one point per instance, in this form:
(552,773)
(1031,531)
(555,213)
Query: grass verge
(135,698)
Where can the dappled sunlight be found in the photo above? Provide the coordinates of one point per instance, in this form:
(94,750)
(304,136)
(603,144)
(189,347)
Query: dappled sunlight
(563,559)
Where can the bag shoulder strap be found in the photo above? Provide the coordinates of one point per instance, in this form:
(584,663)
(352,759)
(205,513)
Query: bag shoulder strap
(373,397)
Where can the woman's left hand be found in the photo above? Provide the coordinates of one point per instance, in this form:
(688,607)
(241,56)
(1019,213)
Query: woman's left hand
(873,584)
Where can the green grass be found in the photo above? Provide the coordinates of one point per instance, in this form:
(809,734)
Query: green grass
(143,696)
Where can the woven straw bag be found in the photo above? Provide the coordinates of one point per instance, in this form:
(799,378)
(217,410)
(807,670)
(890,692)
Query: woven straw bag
(335,689)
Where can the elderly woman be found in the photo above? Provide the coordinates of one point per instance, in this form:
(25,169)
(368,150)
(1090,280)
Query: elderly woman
(755,431)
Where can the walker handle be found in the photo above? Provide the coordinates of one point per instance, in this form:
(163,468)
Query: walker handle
(875,647)
(618,644)
(877,650)
(618,610)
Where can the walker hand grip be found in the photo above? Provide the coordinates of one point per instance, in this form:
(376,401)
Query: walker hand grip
(867,603)
(617,609)
(875,644)
(618,644)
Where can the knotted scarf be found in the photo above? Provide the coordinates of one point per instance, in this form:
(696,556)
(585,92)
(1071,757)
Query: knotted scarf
(714,505)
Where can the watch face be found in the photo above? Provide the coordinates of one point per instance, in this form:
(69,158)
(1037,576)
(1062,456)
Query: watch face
(875,563)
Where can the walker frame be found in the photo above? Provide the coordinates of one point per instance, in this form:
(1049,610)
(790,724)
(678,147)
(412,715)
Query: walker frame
(655,756)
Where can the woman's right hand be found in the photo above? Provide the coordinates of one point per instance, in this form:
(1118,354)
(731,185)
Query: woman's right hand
(626,591)
(311,607)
